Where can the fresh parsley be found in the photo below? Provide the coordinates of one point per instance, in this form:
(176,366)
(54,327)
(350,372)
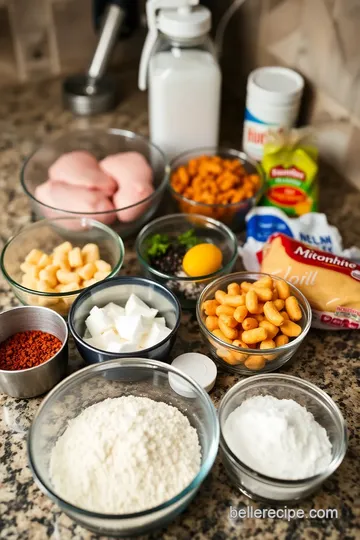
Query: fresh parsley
(188,239)
(158,244)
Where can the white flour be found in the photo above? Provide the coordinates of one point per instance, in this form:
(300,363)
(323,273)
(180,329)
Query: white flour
(278,438)
(125,455)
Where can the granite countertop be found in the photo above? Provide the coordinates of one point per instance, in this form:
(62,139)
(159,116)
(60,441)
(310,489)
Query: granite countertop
(330,360)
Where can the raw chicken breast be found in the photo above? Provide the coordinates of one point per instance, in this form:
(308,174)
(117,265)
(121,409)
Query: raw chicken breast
(134,177)
(81,169)
(127,196)
(128,168)
(74,199)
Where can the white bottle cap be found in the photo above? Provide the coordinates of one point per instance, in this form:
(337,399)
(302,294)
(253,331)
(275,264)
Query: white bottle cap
(197,366)
(185,22)
(275,85)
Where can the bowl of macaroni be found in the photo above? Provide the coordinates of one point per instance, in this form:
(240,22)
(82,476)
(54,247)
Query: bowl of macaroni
(48,263)
(252,322)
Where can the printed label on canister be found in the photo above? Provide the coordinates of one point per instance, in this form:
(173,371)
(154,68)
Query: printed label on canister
(255,132)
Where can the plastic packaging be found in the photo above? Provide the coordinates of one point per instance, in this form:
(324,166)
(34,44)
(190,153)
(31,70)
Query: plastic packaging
(272,104)
(290,166)
(330,283)
(183,74)
(312,228)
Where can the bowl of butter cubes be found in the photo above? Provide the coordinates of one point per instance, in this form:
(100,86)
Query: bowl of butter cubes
(125,317)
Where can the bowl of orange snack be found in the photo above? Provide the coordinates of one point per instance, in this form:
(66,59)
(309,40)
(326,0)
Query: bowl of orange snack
(216,182)
(253,322)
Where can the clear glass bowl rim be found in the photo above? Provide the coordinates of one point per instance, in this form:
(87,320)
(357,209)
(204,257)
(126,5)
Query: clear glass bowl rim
(141,237)
(245,276)
(298,382)
(140,362)
(40,223)
(111,131)
(118,281)
(214,150)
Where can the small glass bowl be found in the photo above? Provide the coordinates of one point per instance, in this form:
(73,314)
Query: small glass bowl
(100,143)
(325,411)
(206,229)
(45,235)
(233,215)
(274,358)
(122,377)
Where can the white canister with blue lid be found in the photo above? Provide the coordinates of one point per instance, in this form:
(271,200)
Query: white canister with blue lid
(272,103)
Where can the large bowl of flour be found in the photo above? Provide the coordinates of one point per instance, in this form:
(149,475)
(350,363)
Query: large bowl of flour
(118,450)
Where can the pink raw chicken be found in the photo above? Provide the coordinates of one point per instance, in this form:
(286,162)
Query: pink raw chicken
(128,168)
(74,199)
(134,177)
(126,197)
(81,169)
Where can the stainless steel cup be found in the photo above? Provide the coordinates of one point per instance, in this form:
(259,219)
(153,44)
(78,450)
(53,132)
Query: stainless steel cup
(31,382)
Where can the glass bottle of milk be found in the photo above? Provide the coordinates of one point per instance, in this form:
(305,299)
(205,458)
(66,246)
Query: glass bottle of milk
(183,75)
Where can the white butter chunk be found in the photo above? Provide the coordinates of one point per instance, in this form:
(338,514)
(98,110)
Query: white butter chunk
(123,347)
(135,306)
(157,333)
(158,320)
(131,327)
(96,342)
(111,339)
(98,322)
(113,310)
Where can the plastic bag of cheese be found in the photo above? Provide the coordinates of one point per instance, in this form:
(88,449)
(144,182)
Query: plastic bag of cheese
(330,283)
(312,228)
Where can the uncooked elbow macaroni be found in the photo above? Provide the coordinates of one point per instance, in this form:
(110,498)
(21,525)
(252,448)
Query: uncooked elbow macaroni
(66,269)
(252,316)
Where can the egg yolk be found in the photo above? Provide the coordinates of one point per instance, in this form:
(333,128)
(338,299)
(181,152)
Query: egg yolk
(202,259)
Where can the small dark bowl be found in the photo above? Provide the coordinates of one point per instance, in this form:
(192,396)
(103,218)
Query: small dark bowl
(118,290)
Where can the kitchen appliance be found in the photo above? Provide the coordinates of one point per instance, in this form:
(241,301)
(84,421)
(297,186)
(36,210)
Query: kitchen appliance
(95,92)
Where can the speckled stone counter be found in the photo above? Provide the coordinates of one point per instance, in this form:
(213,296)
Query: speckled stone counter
(330,360)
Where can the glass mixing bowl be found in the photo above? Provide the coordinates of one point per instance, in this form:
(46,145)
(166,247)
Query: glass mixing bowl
(206,229)
(325,411)
(45,235)
(232,214)
(274,358)
(100,143)
(136,377)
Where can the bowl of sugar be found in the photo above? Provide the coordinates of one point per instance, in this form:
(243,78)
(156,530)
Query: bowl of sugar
(91,446)
(281,437)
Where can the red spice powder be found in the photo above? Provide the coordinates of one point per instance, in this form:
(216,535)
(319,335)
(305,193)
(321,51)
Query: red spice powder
(27,349)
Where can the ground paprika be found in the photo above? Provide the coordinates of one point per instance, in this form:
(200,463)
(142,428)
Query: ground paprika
(27,349)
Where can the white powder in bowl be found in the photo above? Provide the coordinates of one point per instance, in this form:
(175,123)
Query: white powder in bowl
(125,455)
(278,438)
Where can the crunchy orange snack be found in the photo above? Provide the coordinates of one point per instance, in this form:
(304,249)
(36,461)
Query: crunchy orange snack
(214,180)
(233,321)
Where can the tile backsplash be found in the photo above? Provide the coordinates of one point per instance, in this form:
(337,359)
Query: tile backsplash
(319,38)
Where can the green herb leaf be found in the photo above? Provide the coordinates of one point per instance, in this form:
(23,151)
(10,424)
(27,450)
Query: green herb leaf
(158,244)
(188,239)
